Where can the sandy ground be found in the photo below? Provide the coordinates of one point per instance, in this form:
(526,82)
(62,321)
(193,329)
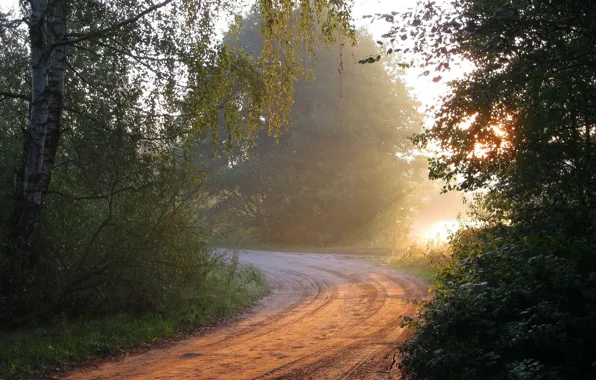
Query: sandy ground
(327,317)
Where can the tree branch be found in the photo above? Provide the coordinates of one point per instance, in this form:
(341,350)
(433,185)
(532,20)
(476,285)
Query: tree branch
(6,24)
(16,96)
(110,29)
(91,197)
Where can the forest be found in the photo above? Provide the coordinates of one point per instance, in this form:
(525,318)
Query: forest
(138,139)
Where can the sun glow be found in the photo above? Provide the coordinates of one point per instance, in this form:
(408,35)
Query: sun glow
(440,231)
(499,142)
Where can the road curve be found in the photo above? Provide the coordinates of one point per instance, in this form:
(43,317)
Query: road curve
(327,317)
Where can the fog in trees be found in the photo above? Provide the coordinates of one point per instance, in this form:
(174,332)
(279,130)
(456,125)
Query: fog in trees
(344,172)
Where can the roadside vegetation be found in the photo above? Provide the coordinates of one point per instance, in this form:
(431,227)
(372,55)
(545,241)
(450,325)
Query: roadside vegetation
(422,260)
(55,347)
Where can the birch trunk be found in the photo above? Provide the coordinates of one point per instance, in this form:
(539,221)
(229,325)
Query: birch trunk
(55,85)
(42,135)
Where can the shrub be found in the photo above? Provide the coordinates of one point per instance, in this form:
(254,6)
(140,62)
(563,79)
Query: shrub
(521,311)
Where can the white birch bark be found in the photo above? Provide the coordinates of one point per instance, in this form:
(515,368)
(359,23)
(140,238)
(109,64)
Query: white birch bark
(41,137)
(55,89)
(30,189)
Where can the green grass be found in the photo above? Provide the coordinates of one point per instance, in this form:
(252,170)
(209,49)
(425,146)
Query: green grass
(31,352)
(35,350)
(422,270)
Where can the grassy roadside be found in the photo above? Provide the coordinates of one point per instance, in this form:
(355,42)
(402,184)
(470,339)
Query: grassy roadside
(30,352)
(420,269)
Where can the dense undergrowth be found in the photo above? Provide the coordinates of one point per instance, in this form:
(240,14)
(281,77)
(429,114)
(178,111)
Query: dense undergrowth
(508,307)
(59,345)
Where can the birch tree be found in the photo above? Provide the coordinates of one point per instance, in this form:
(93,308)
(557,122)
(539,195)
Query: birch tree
(137,74)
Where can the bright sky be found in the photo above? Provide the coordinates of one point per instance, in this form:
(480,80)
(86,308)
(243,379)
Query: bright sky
(8,4)
(425,89)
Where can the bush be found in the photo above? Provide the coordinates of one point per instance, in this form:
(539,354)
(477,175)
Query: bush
(521,311)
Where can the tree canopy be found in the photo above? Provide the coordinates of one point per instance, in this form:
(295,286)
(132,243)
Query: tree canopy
(344,171)
(522,122)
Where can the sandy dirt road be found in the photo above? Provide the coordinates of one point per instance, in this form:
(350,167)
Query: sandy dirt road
(327,317)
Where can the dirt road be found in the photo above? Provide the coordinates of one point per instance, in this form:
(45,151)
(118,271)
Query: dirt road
(327,317)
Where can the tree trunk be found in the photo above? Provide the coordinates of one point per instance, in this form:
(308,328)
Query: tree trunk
(55,85)
(41,137)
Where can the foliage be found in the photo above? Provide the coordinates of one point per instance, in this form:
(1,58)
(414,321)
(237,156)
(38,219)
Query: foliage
(522,122)
(516,300)
(35,350)
(344,171)
(522,311)
(106,215)
(420,269)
